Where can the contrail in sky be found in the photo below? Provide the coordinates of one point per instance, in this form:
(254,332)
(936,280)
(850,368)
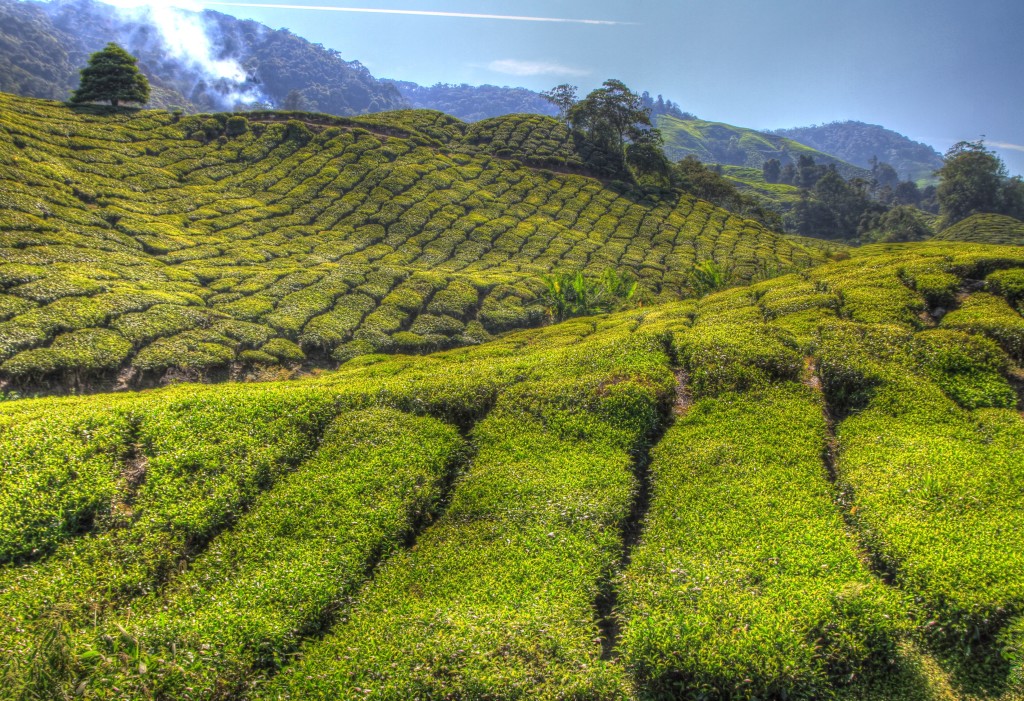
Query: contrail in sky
(425,13)
(1003,144)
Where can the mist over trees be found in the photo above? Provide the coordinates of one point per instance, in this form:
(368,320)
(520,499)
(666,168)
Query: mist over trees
(42,45)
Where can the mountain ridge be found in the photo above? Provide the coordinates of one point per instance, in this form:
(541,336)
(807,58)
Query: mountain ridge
(859,142)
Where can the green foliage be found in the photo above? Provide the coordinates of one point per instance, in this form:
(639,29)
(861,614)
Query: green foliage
(899,225)
(571,294)
(497,596)
(992,316)
(859,143)
(708,276)
(112,75)
(287,566)
(165,512)
(60,471)
(985,228)
(564,98)
(744,584)
(928,486)
(714,142)
(970,181)
(335,235)
(1008,283)
(735,357)
(615,126)
(968,368)
(283,349)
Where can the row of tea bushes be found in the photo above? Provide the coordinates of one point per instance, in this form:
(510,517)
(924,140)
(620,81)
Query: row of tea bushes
(287,567)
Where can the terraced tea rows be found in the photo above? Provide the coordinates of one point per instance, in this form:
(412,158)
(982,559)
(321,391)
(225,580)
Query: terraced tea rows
(153,245)
(836,515)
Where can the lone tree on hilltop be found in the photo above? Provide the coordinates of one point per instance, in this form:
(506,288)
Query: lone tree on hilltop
(112,75)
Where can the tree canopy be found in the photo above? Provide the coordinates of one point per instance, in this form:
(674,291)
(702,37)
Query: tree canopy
(112,75)
(613,127)
(971,179)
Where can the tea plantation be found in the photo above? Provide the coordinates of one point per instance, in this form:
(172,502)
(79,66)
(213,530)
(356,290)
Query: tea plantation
(806,487)
(148,244)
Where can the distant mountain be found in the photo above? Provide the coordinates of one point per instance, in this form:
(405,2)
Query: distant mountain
(715,142)
(858,143)
(204,61)
(472,103)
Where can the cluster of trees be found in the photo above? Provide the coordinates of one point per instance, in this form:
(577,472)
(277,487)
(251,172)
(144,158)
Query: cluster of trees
(708,183)
(41,44)
(864,144)
(612,129)
(974,180)
(659,106)
(33,58)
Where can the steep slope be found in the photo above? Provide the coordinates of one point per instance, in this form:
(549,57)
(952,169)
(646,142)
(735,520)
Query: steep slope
(152,243)
(858,143)
(715,142)
(229,61)
(985,228)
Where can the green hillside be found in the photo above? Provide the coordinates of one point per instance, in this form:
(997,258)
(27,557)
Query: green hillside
(858,143)
(985,228)
(751,181)
(137,246)
(715,142)
(807,488)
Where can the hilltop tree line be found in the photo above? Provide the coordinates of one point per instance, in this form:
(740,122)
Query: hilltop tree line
(861,144)
(612,128)
(972,180)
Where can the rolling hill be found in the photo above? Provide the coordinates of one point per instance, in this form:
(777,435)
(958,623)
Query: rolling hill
(985,228)
(782,489)
(149,245)
(716,142)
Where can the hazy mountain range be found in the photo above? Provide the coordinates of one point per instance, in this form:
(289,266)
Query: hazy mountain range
(210,61)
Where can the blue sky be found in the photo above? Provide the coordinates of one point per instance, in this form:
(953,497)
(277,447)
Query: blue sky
(937,70)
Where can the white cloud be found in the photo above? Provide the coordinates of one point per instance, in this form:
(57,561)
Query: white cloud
(192,5)
(422,13)
(512,66)
(1003,144)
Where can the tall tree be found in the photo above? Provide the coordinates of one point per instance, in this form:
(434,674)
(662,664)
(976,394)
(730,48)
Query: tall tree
(563,97)
(111,74)
(969,182)
(608,120)
(1013,198)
